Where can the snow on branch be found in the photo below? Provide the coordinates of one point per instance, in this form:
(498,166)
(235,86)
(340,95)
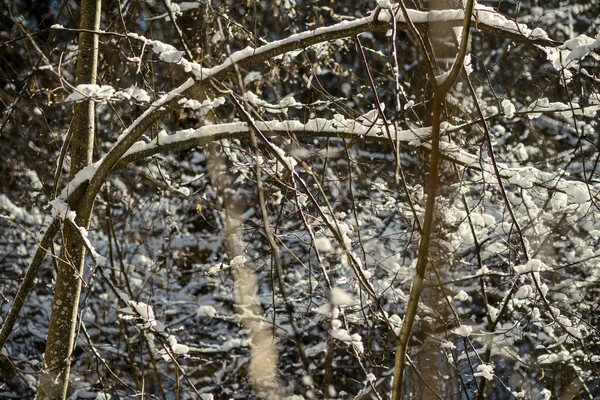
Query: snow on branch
(544,105)
(319,127)
(484,19)
(569,55)
(525,177)
(143,314)
(107,93)
(339,127)
(60,209)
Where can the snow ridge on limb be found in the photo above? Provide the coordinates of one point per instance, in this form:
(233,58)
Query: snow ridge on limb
(525,177)
(319,127)
(337,127)
(485,19)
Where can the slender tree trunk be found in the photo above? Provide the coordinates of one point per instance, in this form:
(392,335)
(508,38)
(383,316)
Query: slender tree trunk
(440,92)
(61,333)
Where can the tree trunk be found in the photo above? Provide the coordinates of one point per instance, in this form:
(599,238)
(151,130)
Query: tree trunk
(61,333)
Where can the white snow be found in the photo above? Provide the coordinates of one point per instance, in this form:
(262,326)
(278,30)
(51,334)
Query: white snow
(578,192)
(489,16)
(396,323)
(533,265)
(524,292)
(341,334)
(16,212)
(467,63)
(531,176)
(324,309)
(493,312)
(289,162)
(280,108)
(571,52)
(370,378)
(177,347)
(447,345)
(558,201)
(482,16)
(252,76)
(336,323)
(345,336)
(60,209)
(371,117)
(384,4)
(206,311)
(461,296)
(138,94)
(339,297)
(552,358)
(307,380)
(206,104)
(82,176)
(313,127)
(94,92)
(145,312)
(238,261)
(485,371)
(158,104)
(463,330)
(485,16)
(517,179)
(323,244)
(567,110)
(508,108)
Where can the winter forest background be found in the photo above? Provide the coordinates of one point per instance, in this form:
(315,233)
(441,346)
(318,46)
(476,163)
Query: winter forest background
(300,199)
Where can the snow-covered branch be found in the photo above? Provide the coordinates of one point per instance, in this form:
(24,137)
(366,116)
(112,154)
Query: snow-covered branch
(485,19)
(524,177)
